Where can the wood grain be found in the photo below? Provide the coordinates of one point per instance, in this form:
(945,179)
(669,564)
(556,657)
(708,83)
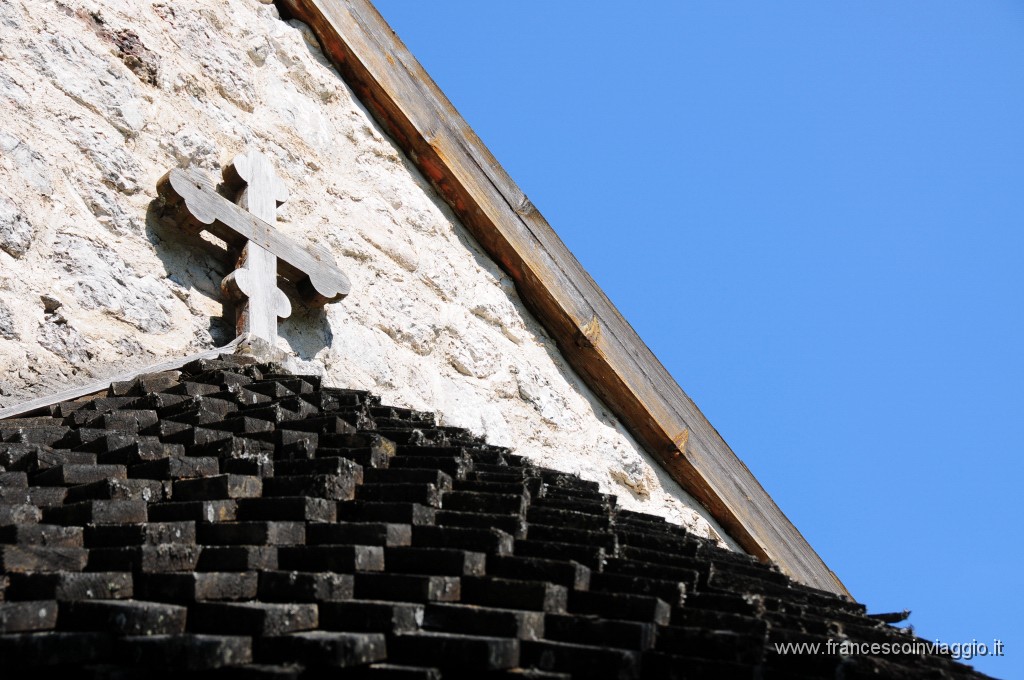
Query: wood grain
(254,283)
(193,198)
(103,384)
(593,336)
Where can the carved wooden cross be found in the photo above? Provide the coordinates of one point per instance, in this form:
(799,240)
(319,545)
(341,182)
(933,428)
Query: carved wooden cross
(194,200)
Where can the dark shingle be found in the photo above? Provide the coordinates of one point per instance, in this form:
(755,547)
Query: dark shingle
(234,519)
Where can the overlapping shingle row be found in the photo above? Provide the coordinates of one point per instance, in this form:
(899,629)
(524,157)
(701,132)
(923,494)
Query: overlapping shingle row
(236,520)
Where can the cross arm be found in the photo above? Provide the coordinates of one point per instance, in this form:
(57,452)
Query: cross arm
(198,205)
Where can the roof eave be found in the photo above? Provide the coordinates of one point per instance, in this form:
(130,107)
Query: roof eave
(592,335)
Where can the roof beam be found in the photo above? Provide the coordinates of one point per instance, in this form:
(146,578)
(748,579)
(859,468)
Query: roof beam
(591,333)
(103,384)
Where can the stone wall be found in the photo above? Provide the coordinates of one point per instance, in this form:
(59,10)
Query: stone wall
(101,97)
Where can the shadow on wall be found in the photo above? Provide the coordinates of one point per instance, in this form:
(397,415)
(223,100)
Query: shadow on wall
(194,263)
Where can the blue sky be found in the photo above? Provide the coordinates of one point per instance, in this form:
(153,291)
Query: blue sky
(812,212)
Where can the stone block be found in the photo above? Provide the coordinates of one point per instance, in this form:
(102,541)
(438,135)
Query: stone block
(27,650)
(195,511)
(242,424)
(146,558)
(47,496)
(366,458)
(42,534)
(409,476)
(65,586)
(581,660)
(568,518)
(458,652)
(251,618)
(186,652)
(41,558)
(589,555)
(569,574)
(484,540)
(425,494)
(746,647)
(330,465)
(148,490)
(476,620)
(397,513)
(340,558)
(359,533)
(97,512)
(407,587)
(434,561)
(641,608)
(30,615)
(287,509)
(513,594)
(596,539)
(510,524)
(252,533)
(123,617)
(15,495)
(672,592)
(252,466)
(184,588)
(150,533)
(325,425)
(324,648)
(600,633)
(13,480)
(19,513)
(299,586)
(175,468)
(217,487)
(493,503)
(70,474)
(237,558)
(339,487)
(651,570)
(371,616)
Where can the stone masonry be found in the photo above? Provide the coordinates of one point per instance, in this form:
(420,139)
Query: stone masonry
(99,98)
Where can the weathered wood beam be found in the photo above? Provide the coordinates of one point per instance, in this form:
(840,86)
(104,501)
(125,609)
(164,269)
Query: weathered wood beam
(593,336)
(192,200)
(101,385)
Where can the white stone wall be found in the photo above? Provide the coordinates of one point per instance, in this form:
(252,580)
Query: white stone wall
(99,98)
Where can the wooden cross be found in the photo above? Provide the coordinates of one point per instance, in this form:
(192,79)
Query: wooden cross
(193,199)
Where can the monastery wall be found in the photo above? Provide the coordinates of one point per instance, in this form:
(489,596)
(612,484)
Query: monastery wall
(100,98)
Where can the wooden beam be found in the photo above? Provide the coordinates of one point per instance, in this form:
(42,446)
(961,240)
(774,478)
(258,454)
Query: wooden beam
(191,200)
(103,384)
(591,333)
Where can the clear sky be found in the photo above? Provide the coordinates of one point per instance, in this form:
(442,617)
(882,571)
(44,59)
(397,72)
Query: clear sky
(813,213)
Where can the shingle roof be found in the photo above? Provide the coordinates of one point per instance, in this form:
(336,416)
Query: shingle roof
(237,519)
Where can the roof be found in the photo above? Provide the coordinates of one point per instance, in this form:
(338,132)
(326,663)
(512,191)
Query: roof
(234,516)
(590,332)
